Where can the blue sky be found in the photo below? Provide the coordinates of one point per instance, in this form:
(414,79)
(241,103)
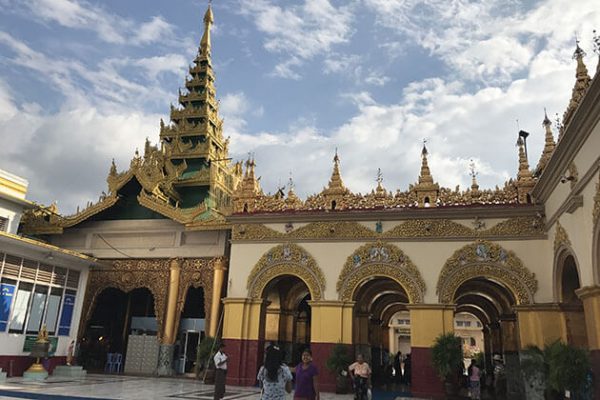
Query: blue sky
(82,82)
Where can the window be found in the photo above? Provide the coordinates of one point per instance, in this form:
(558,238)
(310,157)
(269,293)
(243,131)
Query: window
(3,224)
(17,322)
(467,323)
(460,323)
(52,310)
(38,305)
(479,324)
(472,342)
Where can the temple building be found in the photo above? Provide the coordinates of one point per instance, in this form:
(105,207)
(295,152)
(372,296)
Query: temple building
(41,285)
(187,241)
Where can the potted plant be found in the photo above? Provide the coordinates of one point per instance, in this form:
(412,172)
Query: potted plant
(204,359)
(558,368)
(338,363)
(447,359)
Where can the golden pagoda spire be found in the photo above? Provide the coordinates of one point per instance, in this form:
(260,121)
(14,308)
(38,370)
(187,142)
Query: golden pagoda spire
(525,181)
(548,146)
(582,83)
(474,185)
(380,190)
(205,41)
(336,185)
(426,189)
(425,175)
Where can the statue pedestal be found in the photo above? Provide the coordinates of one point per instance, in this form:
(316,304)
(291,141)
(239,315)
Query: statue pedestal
(165,360)
(69,371)
(34,373)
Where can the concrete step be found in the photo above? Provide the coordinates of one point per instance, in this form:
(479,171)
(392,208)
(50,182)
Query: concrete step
(71,371)
(2,375)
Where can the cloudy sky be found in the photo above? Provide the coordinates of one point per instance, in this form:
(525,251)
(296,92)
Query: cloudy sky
(82,82)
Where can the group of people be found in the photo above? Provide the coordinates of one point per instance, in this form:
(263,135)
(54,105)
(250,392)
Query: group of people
(402,369)
(275,377)
(498,383)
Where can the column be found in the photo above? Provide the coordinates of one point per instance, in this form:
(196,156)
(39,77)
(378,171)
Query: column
(510,346)
(165,354)
(540,324)
(590,296)
(427,322)
(331,323)
(243,334)
(218,278)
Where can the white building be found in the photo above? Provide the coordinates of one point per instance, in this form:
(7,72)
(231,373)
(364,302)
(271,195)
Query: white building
(40,284)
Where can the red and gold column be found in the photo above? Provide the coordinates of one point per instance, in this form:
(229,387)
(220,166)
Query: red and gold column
(427,322)
(243,334)
(331,323)
(590,296)
(165,356)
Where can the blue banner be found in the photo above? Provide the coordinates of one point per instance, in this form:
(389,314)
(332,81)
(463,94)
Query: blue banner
(7,293)
(64,326)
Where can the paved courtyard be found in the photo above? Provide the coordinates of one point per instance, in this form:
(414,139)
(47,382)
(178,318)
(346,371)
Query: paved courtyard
(133,388)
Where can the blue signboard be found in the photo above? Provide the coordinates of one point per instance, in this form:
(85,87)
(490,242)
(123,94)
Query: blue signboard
(67,314)
(7,293)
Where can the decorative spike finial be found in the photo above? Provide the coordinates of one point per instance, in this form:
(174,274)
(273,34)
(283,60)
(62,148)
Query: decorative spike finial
(549,145)
(596,45)
(474,184)
(205,41)
(425,175)
(582,83)
(546,121)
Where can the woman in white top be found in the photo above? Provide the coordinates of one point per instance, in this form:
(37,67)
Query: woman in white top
(360,372)
(275,377)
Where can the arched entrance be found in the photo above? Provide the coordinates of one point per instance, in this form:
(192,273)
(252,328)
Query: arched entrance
(287,316)
(192,328)
(116,315)
(567,282)
(377,300)
(487,281)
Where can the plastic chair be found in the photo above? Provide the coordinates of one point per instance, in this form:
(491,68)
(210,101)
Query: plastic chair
(117,362)
(108,367)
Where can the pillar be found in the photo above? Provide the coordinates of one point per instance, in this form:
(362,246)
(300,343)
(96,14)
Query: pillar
(590,296)
(510,346)
(218,278)
(243,334)
(331,323)
(427,322)
(540,324)
(165,354)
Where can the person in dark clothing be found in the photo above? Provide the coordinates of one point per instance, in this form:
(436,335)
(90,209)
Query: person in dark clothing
(407,370)
(398,367)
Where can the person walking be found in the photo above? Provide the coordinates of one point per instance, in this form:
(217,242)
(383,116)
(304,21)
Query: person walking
(307,379)
(220,360)
(360,372)
(407,370)
(274,376)
(474,380)
(499,377)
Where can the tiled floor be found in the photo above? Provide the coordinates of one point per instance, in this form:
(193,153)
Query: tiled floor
(127,388)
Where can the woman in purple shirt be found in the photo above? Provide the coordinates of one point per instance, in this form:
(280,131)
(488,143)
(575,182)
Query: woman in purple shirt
(307,383)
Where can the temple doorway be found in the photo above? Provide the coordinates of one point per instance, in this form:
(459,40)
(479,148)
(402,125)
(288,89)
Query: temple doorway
(487,323)
(116,316)
(570,304)
(192,329)
(379,314)
(287,316)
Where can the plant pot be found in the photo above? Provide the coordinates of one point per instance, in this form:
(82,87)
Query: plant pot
(341,384)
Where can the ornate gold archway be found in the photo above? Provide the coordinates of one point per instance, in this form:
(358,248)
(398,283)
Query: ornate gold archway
(484,259)
(384,260)
(286,259)
(127,275)
(562,250)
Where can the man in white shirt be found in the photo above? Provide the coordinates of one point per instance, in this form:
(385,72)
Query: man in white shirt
(220,372)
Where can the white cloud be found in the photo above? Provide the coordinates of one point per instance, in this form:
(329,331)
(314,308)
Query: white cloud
(299,33)
(111,28)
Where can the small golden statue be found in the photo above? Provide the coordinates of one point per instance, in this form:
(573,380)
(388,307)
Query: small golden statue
(42,335)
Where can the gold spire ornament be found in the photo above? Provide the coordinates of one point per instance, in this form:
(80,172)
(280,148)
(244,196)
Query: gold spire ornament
(549,146)
(426,190)
(525,181)
(582,83)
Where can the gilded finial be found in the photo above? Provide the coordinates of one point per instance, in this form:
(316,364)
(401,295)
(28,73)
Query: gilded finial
(582,83)
(205,41)
(546,121)
(549,145)
(113,167)
(596,45)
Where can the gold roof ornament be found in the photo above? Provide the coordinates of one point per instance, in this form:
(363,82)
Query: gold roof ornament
(475,194)
(525,181)
(426,189)
(582,83)
(336,185)
(549,146)
(596,41)
(192,155)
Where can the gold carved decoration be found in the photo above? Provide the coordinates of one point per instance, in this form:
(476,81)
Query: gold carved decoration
(429,228)
(488,260)
(127,275)
(384,260)
(286,259)
(196,272)
(561,238)
(411,229)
